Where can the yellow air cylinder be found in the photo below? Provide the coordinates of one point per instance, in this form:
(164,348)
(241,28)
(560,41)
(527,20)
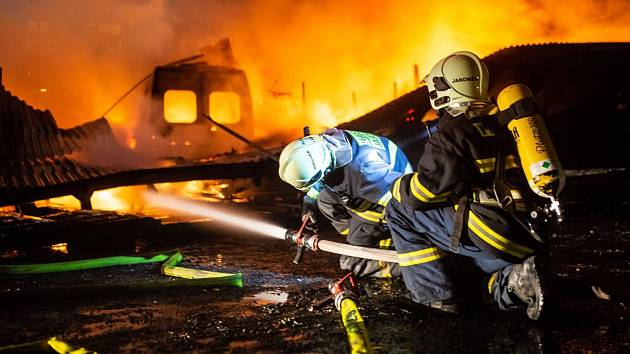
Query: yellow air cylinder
(535,149)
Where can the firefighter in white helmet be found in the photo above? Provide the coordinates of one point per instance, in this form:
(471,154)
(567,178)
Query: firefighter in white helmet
(347,176)
(449,207)
(458,84)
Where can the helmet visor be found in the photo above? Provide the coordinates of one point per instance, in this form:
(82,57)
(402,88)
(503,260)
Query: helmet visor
(316,178)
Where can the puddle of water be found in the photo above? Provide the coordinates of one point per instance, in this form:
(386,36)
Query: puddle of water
(269,297)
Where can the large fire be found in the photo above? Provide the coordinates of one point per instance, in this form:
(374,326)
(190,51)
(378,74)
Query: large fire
(131,200)
(314,63)
(180,106)
(348,55)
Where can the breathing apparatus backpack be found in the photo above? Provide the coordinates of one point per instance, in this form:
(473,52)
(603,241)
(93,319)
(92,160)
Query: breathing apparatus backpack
(539,160)
(520,124)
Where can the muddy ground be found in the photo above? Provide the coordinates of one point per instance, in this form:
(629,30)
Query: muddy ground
(271,312)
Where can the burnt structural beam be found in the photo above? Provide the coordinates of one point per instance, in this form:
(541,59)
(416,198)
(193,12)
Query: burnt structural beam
(85,198)
(82,189)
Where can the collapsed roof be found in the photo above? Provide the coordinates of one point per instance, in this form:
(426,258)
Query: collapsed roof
(38,160)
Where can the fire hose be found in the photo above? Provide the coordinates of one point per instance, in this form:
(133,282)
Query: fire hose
(182,276)
(306,240)
(344,297)
(346,302)
(303,239)
(51,345)
(84,264)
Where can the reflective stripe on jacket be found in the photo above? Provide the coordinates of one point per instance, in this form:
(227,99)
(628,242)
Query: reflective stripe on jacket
(458,159)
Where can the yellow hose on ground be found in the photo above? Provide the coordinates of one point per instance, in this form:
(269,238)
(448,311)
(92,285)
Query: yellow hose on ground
(51,345)
(170,268)
(355,327)
(62,347)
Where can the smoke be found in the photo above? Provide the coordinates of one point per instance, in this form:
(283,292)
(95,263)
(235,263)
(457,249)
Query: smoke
(79,57)
(85,54)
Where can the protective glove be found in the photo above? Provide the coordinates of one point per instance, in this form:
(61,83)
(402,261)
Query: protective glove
(310,211)
(369,267)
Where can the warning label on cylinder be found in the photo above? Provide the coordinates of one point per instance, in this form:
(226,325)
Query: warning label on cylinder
(541,167)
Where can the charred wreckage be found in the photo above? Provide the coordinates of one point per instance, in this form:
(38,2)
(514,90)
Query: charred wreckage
(586,112)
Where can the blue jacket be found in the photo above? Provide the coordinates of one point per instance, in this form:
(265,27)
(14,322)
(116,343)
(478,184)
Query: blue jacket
(365,168)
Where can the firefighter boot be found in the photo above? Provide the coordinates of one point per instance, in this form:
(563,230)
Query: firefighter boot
(524,282)
(448,305)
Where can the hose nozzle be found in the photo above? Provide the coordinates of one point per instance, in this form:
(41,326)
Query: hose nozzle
(302,239)
(342,289)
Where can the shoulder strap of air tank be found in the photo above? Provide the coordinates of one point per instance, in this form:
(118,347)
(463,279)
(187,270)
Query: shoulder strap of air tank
(521,108)
(502,191)
(459,221)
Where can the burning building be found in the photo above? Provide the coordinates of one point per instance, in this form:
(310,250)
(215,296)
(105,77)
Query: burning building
(316,63)
(182,94)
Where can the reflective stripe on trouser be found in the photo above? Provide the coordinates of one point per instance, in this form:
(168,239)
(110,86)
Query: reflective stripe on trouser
(421,231)
(492,239)
(498,290)
(357,232)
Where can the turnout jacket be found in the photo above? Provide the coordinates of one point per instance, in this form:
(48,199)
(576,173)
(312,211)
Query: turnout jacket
(365,167)
(459,160)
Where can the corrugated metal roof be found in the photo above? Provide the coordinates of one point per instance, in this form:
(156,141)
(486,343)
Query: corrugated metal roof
(34,152)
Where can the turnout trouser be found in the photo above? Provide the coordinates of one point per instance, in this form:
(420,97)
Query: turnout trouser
(422,240)
(358,232)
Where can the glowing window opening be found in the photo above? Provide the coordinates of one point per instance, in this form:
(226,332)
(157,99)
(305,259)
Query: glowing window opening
(180,106)
(225,107)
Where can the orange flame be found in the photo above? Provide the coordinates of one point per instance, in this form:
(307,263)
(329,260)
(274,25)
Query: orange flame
(130,199)
(132,142)
(59,248)
(123,199)
(314,63)
(348,54)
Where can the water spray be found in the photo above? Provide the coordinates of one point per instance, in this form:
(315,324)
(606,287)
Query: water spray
(191,207)
(302,239)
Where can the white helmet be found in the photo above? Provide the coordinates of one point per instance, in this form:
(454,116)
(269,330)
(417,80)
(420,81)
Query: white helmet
(305,162)
(458,83)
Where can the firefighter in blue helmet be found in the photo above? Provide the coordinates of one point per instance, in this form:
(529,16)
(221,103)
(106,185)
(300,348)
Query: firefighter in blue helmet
(347,175)
(448,207)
